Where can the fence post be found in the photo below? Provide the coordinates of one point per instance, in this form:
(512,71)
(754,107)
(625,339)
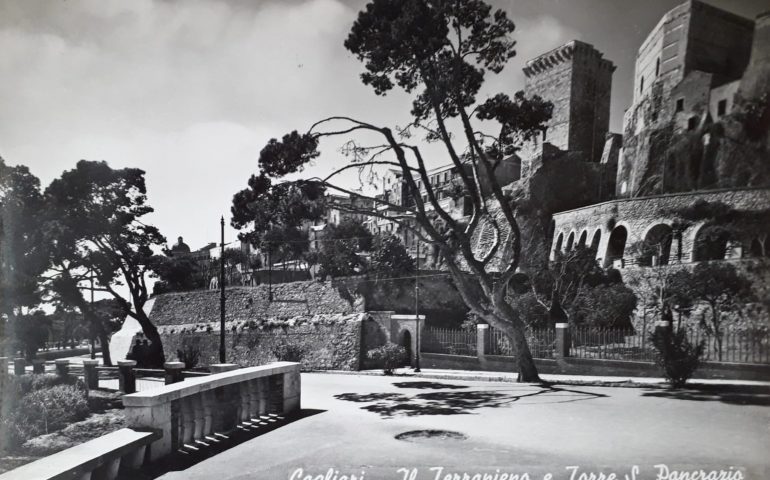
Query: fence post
(19,366)
(126,376)
(562,340)
(38,366)
(62,367)
(90,375)
(482,331)
(174,372)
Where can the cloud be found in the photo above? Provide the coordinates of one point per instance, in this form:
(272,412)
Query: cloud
(190,91)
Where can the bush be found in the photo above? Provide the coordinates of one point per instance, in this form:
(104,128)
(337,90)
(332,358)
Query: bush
(388,356)
(189,354)
(46,410)
(287,352)
(676,355)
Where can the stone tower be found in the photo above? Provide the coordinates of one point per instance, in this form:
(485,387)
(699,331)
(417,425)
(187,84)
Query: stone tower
(577,80)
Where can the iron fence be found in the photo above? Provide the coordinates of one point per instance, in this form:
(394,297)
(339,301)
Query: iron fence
(541,343)
(611,344)
(448,341)
(744,346)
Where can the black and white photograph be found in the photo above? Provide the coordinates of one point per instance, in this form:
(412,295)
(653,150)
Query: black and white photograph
(385,239)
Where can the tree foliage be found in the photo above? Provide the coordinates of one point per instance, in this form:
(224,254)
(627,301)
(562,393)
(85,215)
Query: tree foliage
(440,52)
(94,221)
(574,288)
(22,247)
(719,286)
(390,259)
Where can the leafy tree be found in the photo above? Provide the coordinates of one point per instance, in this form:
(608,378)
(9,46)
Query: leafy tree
(31,332)
(574,288)
(440,52)
(285,243)
(341,251)
(177,273)
(720,287)
(390,258)
(676,355)
(94,220)
(22,249)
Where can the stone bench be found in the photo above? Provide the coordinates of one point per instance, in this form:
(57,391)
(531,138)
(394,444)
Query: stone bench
(202,410)
(103,457)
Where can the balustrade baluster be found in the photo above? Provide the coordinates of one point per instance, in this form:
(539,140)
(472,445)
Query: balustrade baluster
(186,422)
(199,417)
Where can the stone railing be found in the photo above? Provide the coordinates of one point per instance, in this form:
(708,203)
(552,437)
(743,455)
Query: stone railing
(101,458)
(204,410)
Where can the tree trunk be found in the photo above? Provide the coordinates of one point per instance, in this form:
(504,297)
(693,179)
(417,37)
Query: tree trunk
(104,339)
(513,328)
(155,356)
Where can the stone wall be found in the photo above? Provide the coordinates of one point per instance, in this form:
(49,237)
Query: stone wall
(638,215)
(252,303)
(318,342)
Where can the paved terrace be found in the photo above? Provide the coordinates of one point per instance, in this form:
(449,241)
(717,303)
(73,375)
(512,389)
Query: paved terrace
(350,423)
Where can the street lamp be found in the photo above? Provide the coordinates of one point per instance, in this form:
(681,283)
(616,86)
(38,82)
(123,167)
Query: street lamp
(222,294)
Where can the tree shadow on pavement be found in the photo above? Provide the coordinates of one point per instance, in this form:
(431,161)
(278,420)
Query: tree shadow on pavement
(390,405)
(732,394)
(427,385)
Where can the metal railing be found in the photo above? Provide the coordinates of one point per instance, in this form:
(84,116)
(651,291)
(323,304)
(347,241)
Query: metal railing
(611,344)
(449,341)
(541,343)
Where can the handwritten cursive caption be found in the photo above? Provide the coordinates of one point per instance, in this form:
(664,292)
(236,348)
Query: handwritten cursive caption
(570,472)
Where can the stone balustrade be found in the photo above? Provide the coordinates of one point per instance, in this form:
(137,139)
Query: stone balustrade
(202,410)
(102,458)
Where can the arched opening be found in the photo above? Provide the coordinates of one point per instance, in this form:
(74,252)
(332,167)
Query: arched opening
(710,243)
(406,342)
(583,237)
(616,245)
(570,241)
(657,246)
(559,241)
(595,242)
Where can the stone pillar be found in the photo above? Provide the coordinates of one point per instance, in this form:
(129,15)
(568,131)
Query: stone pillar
(482,333)
(223,367)
(62,367)
(663,326)
(19,366)
(562,340)
(174,372)
(38,366)
(126,376)
(90,374)
(292,387)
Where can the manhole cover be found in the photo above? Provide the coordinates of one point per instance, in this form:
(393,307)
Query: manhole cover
(430,435)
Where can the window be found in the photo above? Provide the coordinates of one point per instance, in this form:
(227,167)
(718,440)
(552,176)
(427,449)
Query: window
(641,85)
(657,67)
(680,105)
(721,107)
(623,187)
(692,123)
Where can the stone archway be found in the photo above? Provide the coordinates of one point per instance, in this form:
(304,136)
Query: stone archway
(657,245)
(616,245)
(570,241)
(406,342)
(583,238)
(711,242)
(559,241)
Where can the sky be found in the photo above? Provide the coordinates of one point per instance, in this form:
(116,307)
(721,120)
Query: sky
(190,91)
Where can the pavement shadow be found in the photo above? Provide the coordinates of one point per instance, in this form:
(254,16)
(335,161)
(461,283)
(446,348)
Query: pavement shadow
(427,385)
(182,461)
(389,405)
(732,394)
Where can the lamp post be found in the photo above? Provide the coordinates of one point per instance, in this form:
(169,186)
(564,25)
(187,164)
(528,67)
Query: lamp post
(222,355)
(417,311)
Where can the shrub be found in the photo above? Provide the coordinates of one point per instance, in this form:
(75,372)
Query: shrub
(287,352)
(189,354)
(46,410)
(388,356)
(676,355)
